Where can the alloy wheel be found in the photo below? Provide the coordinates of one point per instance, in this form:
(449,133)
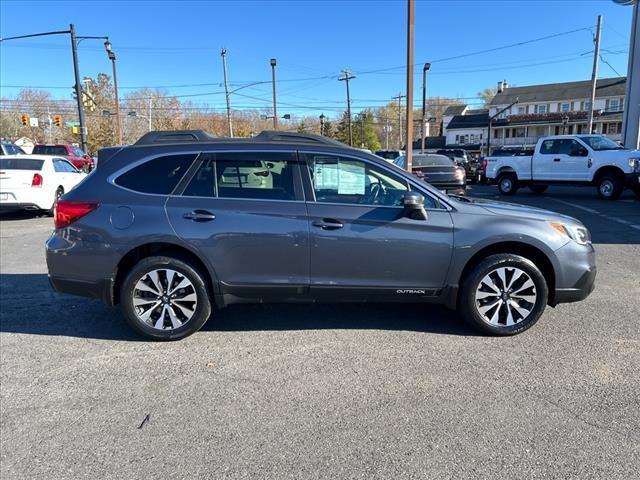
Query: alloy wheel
(164,299)
(505,296)
(606,188)
(506,184)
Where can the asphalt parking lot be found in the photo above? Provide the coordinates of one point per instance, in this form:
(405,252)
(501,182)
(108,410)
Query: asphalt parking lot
(324,391)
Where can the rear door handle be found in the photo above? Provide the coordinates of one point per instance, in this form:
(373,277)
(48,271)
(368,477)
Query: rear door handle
(328,224)
(199,216)
(556,159)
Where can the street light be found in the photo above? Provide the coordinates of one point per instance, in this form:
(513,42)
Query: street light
(273,63)
(423,133)
(112,57)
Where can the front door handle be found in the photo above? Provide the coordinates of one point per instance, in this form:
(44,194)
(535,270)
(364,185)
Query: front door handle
(556,159)
(199,216)
(328,224)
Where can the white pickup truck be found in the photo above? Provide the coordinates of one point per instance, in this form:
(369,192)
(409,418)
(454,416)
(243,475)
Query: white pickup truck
(570,160)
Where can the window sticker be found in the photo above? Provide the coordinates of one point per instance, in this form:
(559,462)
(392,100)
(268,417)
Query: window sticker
(352,179)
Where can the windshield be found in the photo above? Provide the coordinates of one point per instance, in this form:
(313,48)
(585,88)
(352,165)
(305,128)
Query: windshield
(601,143)
(20,164)
(77,151)
(431,161)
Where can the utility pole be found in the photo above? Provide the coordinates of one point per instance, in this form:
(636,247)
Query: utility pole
(112,57)
(362,117)
(346,78)
(322,117)
(594,75)
(387,128)
(223,53)
(423,132)
(78,87)
(149,115)
(399,97)
(410,27)
(631,119)
(273,85)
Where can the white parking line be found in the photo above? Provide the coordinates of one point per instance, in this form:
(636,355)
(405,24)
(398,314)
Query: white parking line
(596,212)
(590,210)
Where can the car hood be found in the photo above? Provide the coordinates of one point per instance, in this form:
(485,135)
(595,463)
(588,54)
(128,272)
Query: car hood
(522,211)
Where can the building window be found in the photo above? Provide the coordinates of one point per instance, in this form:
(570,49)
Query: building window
(565,107)
(614,105)
(521,110)
(495,133)
(585,105)
(541,109)
(457,139)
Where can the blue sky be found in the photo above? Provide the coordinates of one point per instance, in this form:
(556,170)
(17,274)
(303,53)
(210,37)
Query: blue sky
(177,45)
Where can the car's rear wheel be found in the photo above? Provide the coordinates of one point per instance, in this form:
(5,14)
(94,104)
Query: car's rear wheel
(164,298)
(505,294)
(538,189)
(56,197)
(610,187)
(508,183)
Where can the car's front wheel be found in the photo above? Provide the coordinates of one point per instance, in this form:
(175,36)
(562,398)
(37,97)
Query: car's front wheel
(504,294)
(610,187)
(164,298)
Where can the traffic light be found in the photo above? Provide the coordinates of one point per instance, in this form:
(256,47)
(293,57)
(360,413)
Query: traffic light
(88,102)
(57,120)
(25,119)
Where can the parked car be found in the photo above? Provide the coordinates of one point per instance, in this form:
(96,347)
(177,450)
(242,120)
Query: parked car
(8,148)
(35,182)
(155,230)
(569,160)
(438,170)
(461,158)
(389,155)
(73,153)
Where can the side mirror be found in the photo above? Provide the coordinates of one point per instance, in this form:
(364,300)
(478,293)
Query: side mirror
(413,204)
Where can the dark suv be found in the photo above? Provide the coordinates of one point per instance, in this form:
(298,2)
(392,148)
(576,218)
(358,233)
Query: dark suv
(182,222)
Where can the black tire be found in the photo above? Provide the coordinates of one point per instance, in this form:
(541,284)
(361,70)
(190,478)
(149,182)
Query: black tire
(202,308)
(57,195)
(538,189)
(610,187)
(508,183)
(468,306)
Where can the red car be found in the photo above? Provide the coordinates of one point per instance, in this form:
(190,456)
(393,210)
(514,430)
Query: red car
(74,154)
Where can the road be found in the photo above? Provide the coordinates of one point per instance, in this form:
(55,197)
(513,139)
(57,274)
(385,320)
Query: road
(324,391)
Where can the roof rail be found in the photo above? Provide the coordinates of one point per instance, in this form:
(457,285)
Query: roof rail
(175,136)
(294,137)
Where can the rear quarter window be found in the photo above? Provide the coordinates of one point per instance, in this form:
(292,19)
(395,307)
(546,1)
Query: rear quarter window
(157,176)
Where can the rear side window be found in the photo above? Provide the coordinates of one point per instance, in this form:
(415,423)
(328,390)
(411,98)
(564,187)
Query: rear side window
(62,166)
(548,147)
(158,176)
(20,164)
(253,175)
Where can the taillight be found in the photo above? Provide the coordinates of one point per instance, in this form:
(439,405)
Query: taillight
(484,164)
(460,174)
(264,173)
(37,180)
(68,211)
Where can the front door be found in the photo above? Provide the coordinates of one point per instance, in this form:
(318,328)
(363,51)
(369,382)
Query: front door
(361,238)
(244,212)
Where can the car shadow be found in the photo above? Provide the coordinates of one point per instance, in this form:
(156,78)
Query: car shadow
(54,314)
(10,215)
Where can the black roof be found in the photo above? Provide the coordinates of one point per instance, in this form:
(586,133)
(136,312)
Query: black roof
(167,137)
(605,87)
(469,121)
(454,110)
(429,142)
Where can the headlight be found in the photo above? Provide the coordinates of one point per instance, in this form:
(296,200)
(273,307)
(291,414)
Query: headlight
(634,163)
(576,233)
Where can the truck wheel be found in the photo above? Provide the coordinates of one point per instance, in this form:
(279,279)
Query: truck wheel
(164,298)
(538,188)
(610,187)
(504,294)
(508,183)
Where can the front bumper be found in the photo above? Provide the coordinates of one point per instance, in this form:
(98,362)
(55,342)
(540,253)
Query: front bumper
(575,273)
(632,180)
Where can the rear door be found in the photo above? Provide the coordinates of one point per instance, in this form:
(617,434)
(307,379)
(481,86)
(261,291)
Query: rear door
(245,213)
(362,243)
(546,161)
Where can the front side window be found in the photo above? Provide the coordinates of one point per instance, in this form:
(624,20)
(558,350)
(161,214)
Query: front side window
(251,175)
(157,176)
(343,180)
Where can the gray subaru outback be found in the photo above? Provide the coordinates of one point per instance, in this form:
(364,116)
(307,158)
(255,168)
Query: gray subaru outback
(182,222)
